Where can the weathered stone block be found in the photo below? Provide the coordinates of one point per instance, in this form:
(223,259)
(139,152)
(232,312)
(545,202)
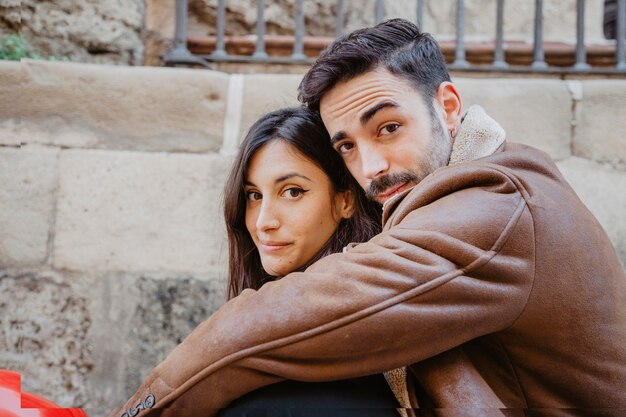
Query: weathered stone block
(601,188)
(166,312)
(137,321)
(87,31)
(159,30)
(535,112)
(43,335)
(10,80)
(27,197)
(141,108)
(263,93)
(600,121)
(133,211)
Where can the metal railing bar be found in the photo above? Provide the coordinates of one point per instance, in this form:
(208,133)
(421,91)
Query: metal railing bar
(420,15)
(259,53)
(538,54)
(179,54)
(298,45)
(498,57)
(379,11)
(459,55)
(339,24)
(220,46)
(620,56)
(581,54)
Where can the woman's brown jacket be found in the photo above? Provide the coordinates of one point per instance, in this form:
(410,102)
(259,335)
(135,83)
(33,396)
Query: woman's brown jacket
(495,255)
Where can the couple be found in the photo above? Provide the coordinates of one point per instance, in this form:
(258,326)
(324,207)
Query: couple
(489,287)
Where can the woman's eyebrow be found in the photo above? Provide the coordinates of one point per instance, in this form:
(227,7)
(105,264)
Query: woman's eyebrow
(248,183)
(291,175)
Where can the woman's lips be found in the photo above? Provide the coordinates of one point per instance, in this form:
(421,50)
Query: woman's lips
(382,197)
(269,246)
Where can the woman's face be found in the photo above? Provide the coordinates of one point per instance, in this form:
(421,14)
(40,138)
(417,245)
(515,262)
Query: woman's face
(291,208)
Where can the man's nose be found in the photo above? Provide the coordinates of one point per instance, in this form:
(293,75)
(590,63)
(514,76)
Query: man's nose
(268,219)
(374,163)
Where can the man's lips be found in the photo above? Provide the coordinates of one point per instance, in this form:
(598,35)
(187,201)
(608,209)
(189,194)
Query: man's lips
(382,197)
(271,246)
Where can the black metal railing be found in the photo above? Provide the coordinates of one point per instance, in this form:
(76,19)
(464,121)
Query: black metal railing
(181,54)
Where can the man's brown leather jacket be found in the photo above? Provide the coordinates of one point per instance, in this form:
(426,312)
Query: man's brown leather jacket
(496,256)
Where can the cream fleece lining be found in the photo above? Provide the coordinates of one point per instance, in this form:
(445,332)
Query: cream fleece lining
(478,137)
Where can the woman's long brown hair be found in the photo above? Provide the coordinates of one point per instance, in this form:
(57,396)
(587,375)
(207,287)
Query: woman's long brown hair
(304,130)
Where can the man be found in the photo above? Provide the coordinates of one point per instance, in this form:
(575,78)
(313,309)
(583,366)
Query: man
(486,252)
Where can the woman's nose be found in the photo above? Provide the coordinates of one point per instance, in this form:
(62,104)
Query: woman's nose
(268,218)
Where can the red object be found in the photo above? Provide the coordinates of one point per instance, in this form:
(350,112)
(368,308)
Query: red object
(16,403)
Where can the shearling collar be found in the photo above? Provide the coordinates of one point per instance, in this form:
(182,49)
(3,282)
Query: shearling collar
(479,136)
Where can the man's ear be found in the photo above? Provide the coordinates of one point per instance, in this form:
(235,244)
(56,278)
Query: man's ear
(344,204)
(450,101)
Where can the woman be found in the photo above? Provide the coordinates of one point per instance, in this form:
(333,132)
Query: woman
(289,201)
(289,141)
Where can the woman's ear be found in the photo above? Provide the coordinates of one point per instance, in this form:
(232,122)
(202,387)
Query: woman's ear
(344,204)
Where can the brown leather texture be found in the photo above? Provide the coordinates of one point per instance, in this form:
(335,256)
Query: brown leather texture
(496,257)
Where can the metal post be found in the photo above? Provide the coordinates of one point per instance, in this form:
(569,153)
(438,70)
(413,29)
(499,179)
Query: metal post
(459,55)
(581,54)
(298,46)
(220,49)
(379,11)
(538,55)
(420,15)
(179,54)
(259,53)
(339,25)
(620,56)
(498,59)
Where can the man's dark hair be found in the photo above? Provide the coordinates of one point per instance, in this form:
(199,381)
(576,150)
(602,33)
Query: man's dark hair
(396,45)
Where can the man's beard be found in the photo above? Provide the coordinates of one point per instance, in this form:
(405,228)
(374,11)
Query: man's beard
(437,156)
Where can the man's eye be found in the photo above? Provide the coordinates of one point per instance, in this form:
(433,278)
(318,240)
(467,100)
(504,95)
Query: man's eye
(253,195)
(390,128)
(344,147)
(293,193)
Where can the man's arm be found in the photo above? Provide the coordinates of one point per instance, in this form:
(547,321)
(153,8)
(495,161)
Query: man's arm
(454,262)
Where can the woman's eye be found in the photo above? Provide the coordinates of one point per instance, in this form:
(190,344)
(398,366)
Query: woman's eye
(293,193)
(253,195)
(390,128)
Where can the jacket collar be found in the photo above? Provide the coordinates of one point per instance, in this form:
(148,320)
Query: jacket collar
(479,136)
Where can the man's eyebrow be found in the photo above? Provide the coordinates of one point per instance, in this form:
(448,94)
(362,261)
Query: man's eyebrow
(337,137)
(369,113)
(365,117)
(280,179)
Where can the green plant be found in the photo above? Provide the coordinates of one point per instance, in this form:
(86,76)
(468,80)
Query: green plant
(14,47)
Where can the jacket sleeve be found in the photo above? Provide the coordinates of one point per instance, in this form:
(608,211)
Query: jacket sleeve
(454,262)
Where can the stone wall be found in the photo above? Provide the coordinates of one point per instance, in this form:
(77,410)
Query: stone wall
(82,31)
(113,247)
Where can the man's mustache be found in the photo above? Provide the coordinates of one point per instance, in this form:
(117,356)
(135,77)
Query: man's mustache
(385,182)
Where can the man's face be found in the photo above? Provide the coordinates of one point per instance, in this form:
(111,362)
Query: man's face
(384,131)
